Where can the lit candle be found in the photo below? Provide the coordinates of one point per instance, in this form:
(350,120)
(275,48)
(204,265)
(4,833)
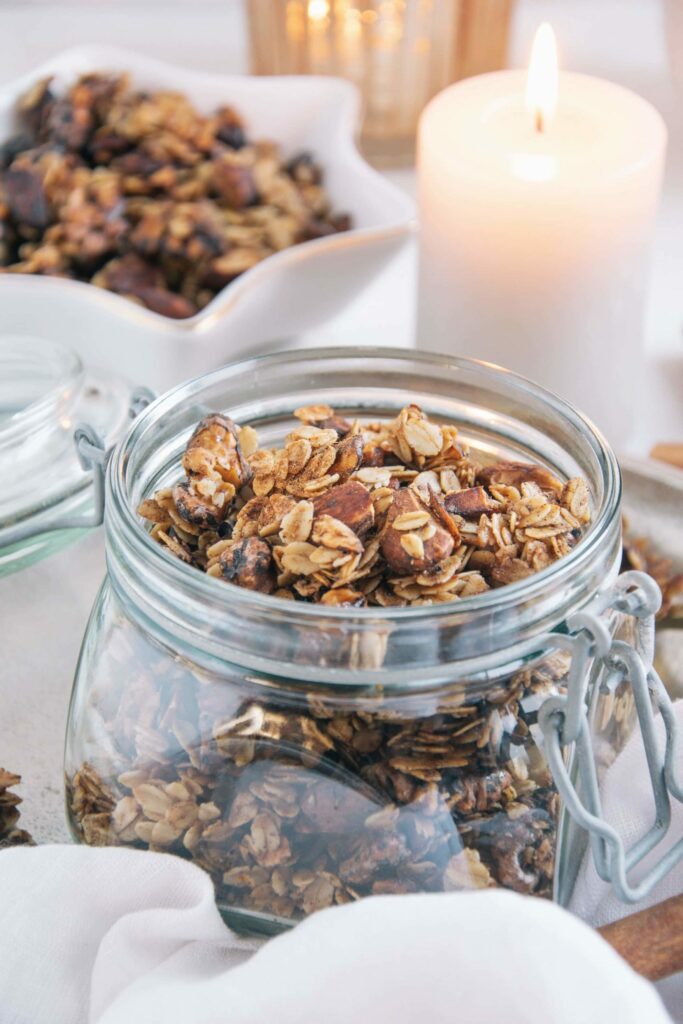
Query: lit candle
(537,199)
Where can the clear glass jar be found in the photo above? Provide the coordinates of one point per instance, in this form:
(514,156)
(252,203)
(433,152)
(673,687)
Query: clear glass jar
(304,755)
(44,395)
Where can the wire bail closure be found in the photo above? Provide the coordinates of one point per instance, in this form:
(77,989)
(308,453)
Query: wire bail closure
(566,731)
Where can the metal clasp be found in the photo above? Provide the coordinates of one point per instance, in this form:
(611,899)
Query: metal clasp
(564,722)
(139,400)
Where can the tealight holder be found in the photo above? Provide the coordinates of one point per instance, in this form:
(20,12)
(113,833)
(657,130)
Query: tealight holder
(399,53)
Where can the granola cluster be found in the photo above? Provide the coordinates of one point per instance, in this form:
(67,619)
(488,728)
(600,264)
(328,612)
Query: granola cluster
(140,194)
(10,833)
(351,514)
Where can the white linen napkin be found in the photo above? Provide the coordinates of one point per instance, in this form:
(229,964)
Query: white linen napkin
(122,936)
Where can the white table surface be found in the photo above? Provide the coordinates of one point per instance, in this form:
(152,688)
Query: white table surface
(43,611)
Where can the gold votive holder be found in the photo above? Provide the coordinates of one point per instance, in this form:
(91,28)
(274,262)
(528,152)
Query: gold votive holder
(399,53)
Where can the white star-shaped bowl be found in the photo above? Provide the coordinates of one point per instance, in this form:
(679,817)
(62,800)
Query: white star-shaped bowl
(287,293)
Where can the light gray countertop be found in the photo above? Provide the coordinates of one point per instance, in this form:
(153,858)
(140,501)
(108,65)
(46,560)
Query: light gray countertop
(43,613)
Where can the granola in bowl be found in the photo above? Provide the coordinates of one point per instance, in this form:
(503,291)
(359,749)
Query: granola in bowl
(140,194)
(363,514)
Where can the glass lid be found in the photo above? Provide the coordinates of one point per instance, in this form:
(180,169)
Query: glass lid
(45,394)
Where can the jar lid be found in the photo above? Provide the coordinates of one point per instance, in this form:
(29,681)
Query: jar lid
(45,393)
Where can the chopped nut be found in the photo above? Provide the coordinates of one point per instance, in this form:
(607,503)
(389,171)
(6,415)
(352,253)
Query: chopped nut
(215,447)
(349,456)
(472,501)
(249,564)
(349,503)
(516,473)
(407,553)
(234,184)
(314,414)
(194,510)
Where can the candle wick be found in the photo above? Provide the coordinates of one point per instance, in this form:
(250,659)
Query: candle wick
(538,120)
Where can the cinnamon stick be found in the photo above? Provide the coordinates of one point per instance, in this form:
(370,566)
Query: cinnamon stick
(671,453)
(651,941)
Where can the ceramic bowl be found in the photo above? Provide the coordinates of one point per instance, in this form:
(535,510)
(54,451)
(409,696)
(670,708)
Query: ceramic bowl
(287,293)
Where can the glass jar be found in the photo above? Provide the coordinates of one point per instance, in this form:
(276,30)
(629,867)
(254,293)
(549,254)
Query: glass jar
(399,53)
(44,395)
(308,755)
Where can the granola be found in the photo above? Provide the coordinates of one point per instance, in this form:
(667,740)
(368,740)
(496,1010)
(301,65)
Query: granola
(295,808)
(10,833)
(293,802)
(139,193)
(640,554)
(386,513)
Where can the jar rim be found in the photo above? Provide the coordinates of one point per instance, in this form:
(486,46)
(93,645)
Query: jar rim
(122,519)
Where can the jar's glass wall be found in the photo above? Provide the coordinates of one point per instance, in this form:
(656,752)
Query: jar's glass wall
(294,800)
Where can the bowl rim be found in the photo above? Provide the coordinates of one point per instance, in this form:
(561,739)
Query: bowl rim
(344,106)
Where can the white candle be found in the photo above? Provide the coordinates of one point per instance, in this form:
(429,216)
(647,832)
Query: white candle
(536,216)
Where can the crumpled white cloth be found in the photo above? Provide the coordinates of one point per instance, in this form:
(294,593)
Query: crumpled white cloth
(122,936)
(116,936)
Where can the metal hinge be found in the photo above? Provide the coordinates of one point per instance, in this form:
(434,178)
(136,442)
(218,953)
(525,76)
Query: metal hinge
(566,731)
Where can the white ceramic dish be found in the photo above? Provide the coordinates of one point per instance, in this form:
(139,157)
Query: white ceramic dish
(288,293)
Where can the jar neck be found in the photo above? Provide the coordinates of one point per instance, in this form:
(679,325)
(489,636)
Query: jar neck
(218,624)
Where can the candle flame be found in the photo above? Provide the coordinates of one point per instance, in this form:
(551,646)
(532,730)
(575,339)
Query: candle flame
(318,9)
(542,80)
